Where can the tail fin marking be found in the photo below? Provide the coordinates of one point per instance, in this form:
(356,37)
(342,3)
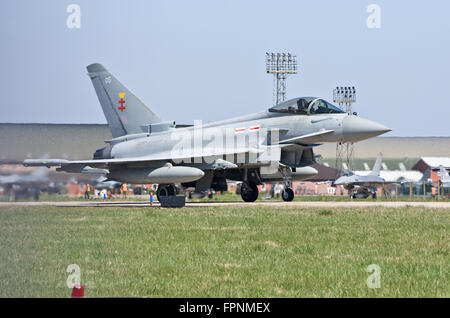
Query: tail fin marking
(126,114)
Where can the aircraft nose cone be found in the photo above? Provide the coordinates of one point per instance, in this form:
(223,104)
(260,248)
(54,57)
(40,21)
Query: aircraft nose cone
(341,180)
(356,128)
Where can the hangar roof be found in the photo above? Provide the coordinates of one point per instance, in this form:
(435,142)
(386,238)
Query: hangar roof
(435,162)
(396,175)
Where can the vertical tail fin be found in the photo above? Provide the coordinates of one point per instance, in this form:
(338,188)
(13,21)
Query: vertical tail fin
(377,166)
(126,114)
(444,174)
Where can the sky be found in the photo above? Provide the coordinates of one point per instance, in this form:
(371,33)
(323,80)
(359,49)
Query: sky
(205,60)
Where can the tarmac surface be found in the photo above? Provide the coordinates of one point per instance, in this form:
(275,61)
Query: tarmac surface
(277,204)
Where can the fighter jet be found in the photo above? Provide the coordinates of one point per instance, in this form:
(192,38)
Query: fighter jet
(362,186)
(103,183)
(269,146)
(17,186)
(445,178)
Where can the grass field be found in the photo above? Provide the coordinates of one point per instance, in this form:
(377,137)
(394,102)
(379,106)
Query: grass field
(225,251)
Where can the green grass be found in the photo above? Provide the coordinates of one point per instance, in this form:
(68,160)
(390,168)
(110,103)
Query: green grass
(225,251)
(232,197)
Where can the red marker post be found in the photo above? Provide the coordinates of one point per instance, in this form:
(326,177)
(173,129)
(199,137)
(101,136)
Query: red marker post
(78,291)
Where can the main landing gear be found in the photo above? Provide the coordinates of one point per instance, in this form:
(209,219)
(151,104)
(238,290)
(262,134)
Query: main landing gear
(165,190)
(249,191)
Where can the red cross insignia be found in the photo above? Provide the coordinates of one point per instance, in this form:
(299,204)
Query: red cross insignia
(121,102)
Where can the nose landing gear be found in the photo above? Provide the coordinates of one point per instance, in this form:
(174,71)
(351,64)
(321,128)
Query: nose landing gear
(287,194)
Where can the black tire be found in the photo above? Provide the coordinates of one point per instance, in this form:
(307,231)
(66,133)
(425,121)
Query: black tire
(165,190)
(287,194)
(249,192)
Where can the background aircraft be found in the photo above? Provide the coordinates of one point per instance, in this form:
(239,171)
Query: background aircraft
(445,178)
(103,183)
(362,186)
(269,146)
(17,186)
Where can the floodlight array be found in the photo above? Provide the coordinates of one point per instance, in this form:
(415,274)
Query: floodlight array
(344,94)
(281,63)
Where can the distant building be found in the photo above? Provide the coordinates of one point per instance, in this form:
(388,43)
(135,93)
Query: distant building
(397,175)
(429,166)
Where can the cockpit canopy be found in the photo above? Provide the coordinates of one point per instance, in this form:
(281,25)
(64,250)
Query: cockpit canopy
(306,106)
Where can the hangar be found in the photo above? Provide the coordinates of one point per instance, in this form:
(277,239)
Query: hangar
(429,166)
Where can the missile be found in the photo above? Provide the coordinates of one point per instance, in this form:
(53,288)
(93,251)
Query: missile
(44,162)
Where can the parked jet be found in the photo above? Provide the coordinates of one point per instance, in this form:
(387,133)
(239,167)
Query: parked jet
(105,183)
(17,186)
(362,186)
(445,178)
(269,146)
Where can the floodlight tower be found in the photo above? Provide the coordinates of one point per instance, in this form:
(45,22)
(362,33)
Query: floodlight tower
(280,65)
(345,96)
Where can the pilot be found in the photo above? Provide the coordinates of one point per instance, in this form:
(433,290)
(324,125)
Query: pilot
(302,106)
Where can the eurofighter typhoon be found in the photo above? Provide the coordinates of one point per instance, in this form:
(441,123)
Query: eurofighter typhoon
(273,145)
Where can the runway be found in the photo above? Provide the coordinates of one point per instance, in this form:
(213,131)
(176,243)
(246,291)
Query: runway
(278,204)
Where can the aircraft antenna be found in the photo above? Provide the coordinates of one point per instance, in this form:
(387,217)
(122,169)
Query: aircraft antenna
(344,96)
(280,65)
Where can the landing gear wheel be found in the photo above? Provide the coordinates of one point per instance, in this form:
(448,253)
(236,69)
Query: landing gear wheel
(249,192)
(287,194)
(165,190)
